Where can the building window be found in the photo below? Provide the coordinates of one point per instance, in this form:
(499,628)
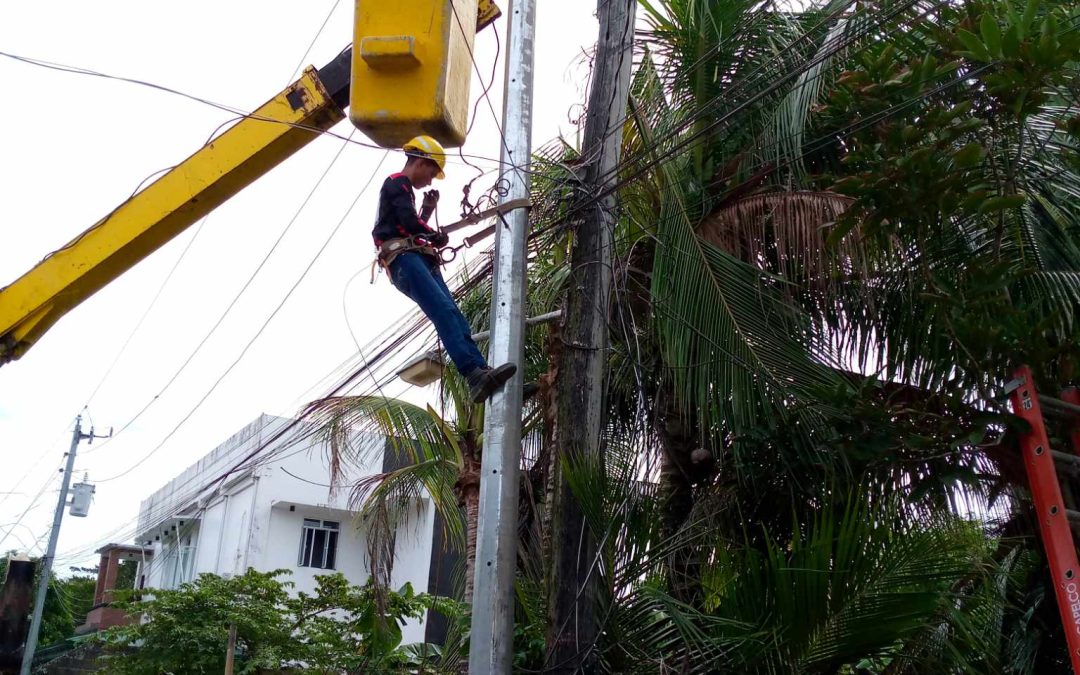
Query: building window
(179,561)
(318,544)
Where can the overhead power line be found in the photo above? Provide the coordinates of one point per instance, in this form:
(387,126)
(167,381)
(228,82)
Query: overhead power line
(262,328)
(146,313)
(232,304)
(300,63)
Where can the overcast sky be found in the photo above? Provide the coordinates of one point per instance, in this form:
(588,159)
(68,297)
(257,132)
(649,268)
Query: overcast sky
(74,147)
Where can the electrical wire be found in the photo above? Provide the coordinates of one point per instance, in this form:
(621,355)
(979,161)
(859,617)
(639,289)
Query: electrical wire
(485,93)
(258,333)
(632,161)
(31,505)
(302,479)
(240,114)
(485,96)
(706,110)
(40,458)
(258,456)
(146,312)
(232,304)
(176,502)
(300,63)
(250,461)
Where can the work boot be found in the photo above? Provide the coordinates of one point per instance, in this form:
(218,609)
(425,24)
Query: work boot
(484,381)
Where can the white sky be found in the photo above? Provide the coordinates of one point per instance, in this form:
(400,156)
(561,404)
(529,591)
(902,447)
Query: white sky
(73,147)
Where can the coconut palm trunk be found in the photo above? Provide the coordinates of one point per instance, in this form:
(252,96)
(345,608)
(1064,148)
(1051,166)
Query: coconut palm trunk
(467,488)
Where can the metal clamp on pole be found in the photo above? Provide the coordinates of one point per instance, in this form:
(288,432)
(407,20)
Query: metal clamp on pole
(483,234)
(501,209)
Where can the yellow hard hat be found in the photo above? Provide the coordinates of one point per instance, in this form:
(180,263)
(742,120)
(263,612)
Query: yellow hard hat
(428,147)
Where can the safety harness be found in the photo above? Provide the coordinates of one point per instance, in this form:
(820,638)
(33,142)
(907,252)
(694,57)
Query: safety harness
(392,248)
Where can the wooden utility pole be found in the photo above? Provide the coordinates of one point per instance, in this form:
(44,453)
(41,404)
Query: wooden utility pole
(230,651)
(574,589)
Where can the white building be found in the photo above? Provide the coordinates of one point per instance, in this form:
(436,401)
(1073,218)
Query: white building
(262,500)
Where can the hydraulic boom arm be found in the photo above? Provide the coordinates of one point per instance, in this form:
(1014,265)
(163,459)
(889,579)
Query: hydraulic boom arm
(229,163)
(139,226)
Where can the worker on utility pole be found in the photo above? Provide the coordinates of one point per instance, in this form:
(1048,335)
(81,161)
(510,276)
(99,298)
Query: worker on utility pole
(408,251)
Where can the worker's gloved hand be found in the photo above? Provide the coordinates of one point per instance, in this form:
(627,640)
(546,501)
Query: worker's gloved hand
(427,207)
(431,200)
(438,239)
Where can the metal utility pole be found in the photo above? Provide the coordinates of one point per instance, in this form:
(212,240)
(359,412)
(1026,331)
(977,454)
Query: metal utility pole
(574,588)
(50,552)
(492,637)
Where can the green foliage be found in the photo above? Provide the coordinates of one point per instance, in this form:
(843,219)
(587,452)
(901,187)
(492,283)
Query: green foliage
(850,584)
(186,630)
(351,628)
(948,166)
(837,232)
(338,627)
(952,142)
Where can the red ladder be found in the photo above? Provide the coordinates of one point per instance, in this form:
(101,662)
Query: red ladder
(1053,515)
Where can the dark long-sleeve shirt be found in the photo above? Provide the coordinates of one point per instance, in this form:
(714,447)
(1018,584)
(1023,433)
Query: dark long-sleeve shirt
(397,211)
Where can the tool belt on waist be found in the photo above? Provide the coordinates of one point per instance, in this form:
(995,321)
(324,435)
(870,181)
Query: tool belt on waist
(392,248)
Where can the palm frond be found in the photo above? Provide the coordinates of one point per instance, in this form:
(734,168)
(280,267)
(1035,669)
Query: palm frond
(739,353)
(429,455)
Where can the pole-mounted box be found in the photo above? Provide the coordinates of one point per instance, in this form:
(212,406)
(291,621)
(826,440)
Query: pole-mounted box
(411,69)
(81,494)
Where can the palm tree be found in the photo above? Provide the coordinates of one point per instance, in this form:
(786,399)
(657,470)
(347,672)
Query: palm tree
(760,264)
(440,461)
(854,206)
(439,451)
(838,231)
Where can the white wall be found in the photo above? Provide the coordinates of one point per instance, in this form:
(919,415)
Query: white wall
(285,531)
(247,522)
(186,487)
(412,562)
(236,524)
(153,569)
(210,540)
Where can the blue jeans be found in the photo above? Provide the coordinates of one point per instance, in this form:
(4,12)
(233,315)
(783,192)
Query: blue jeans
(414,275)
